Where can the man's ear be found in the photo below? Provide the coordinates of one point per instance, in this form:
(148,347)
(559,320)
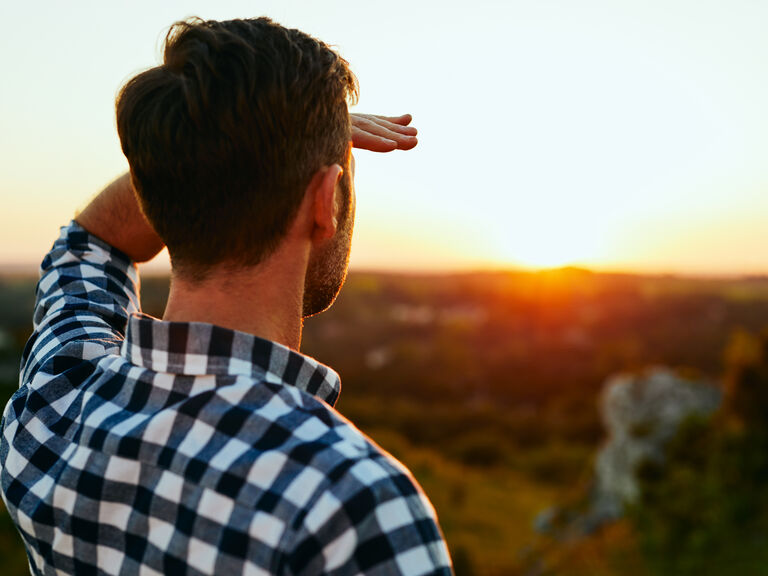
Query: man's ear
(323,190)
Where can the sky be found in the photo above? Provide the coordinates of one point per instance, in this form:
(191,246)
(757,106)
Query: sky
(616,135)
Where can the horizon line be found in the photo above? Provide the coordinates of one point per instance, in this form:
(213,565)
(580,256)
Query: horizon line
(153,271)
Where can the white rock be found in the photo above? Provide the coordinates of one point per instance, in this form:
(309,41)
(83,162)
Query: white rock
(642,413)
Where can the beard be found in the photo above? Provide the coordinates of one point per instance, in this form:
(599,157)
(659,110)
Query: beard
(328,263)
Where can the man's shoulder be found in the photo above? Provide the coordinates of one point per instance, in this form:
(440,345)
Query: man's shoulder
(366,513)
(238,435)
(285,450)
(346,456)
(291,432)
(351,503)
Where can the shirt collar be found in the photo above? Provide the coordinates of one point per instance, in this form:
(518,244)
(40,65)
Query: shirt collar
(197,348)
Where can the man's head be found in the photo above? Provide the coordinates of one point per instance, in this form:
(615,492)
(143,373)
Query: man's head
(224,137)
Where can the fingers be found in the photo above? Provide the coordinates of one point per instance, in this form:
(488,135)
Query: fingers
(367,141)
(397,124)
(383,133)
(387,129)
(403,120)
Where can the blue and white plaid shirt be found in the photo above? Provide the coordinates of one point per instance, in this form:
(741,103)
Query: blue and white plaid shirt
(136,446)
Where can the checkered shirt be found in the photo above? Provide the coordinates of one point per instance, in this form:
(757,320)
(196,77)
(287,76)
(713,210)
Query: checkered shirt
(137,446)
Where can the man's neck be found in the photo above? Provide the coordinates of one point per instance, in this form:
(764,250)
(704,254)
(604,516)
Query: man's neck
(266,301)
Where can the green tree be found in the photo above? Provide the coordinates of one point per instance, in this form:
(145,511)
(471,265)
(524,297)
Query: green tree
(704,509)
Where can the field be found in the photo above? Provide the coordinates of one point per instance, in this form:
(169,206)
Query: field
(485,385)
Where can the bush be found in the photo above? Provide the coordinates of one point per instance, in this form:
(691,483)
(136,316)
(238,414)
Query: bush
(704,510)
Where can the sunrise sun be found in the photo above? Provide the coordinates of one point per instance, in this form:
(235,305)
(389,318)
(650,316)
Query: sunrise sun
(551,241)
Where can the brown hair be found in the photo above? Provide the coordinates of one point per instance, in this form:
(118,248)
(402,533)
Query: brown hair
(224,136)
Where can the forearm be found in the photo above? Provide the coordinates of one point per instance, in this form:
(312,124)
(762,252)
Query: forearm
(115,217)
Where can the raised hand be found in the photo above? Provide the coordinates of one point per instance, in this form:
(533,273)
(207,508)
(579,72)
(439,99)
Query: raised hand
(383,133)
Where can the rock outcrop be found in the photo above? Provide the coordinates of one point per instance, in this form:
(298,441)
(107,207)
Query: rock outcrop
(641,414)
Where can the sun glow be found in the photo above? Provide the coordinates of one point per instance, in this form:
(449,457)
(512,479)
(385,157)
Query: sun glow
(552,240)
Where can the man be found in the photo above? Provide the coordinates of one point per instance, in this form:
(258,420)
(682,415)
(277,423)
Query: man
(205,443)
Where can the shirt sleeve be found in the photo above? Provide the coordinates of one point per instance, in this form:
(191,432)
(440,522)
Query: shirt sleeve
(375,520)
(87,290)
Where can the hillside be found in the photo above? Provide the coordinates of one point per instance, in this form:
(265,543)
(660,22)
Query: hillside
(486,384)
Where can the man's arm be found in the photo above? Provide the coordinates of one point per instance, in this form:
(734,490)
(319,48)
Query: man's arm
(86,292)
(89,283)
(115,217)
